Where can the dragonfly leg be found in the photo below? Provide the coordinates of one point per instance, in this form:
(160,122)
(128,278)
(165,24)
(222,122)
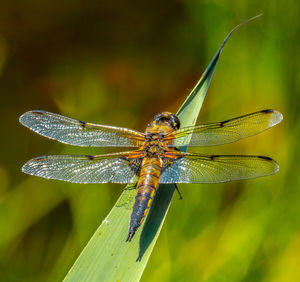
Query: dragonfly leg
(178,191)
(131,186)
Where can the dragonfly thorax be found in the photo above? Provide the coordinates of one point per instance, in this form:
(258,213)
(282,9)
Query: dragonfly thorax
(154,145)
(154,150)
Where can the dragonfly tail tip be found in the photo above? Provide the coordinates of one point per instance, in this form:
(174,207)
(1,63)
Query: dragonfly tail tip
(130,235)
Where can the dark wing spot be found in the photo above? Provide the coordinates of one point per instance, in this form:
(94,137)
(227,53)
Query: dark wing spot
(90,157)
(265,158)
(267,111)
(82,123)
(223,123)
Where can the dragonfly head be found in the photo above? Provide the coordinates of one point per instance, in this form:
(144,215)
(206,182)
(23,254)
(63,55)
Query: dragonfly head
(168,119)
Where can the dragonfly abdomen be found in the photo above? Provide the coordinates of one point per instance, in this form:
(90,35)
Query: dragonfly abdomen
(146,187)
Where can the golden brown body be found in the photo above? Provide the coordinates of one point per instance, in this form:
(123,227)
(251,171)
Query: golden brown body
(153,149)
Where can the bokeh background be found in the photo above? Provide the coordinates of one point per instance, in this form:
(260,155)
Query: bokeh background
(120,63)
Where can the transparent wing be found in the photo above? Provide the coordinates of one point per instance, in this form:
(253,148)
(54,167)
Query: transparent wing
(224,132)
(197,168)
(116,168)
(80,133)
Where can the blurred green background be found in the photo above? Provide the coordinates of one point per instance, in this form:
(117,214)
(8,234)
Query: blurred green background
(121,63)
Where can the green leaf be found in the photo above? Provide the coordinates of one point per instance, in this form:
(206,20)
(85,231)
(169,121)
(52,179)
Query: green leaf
(107,257)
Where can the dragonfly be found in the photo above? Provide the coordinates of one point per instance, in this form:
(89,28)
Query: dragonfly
(158,156)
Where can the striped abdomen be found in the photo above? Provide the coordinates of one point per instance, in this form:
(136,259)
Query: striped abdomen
(146,187)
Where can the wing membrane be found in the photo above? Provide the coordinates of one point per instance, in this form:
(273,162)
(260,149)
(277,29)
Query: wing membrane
(79,133)
(197,168)
(226,131)
(116,168)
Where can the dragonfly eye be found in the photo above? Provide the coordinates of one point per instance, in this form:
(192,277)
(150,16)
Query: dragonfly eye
(175,122)
(158,118)
(167,118)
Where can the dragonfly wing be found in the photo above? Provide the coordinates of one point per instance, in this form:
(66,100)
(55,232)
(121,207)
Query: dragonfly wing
(116,168)
(197,168)
(80,133)
(225,132)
